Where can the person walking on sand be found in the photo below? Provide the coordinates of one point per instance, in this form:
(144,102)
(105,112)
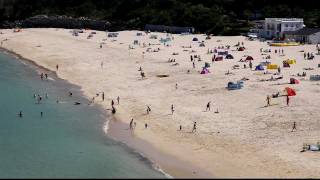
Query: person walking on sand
(194,129)
(118,100)
(145,125)
(131,123)
(172,109)
(268,100)
(250,65)
(113,110)
(288,100)
(279,70)
(193,65)
(142,75)
(304,55)
(176,85)
(148,109)
(294,126)
(57,67)
(208,106)
(41,113)
(102,96)
(101,64)
(112,102)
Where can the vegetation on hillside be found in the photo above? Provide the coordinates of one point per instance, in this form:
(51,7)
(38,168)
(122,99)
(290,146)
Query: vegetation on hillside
(226,17)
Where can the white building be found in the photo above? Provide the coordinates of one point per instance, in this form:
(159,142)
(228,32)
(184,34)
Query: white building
(304,35)
(275,27)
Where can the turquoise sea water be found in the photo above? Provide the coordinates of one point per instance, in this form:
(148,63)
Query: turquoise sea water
(67,142)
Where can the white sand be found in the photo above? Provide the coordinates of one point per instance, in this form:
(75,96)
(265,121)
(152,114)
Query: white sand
(253,140)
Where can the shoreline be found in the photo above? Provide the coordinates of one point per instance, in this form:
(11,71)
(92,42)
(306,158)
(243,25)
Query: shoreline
(158,160)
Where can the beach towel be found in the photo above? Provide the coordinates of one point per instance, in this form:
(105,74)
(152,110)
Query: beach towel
(272,66)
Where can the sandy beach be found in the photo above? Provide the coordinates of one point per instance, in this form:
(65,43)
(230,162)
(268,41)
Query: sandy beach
(245,139)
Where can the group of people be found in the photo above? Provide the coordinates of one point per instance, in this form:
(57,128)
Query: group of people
(43,75)
(308,55)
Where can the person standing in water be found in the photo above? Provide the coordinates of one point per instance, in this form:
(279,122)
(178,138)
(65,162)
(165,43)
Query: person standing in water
(41,113)
(20,114)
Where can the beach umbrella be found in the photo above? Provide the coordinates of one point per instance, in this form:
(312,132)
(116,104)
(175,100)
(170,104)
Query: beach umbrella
(290,91)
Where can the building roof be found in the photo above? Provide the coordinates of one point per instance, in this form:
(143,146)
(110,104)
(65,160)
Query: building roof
(303,31)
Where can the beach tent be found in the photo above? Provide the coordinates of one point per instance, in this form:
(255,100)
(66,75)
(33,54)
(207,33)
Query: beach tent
(234,86)
(249,58)
(229,56)
(241,49)
(259,68)
(272,66)
(294,81)
(195,39)
(286,64)
(290,91)
(205,71)
(218,58)
(314,77)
